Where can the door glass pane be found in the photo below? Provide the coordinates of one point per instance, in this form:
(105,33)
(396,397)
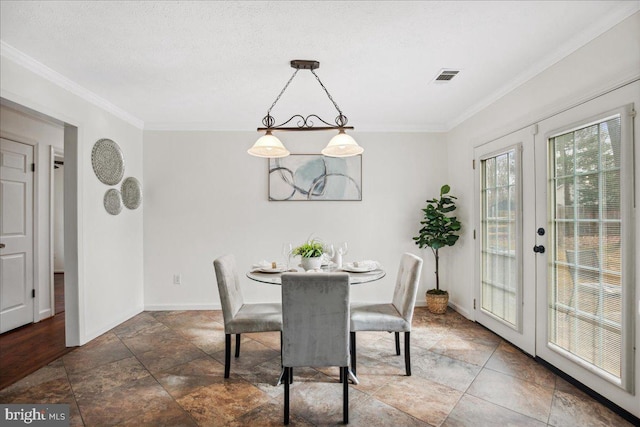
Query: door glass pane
(586,276)
(500,225)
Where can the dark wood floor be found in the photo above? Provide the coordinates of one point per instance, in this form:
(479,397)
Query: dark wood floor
(30,347)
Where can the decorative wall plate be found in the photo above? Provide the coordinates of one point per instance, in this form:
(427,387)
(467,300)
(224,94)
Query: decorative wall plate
(131,193)
(113,201)
(107,161)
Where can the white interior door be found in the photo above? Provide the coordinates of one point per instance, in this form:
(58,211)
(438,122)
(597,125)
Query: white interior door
(16,234)
(505,234)
(584,193)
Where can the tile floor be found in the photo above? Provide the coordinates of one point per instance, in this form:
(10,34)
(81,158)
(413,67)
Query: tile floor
(166,368)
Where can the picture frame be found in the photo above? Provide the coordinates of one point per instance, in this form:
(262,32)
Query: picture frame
(314,177)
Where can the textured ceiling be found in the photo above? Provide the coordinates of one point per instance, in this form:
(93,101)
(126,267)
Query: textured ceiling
(220,65)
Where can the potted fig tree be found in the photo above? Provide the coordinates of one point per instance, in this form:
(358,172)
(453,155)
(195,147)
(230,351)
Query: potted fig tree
(439,229)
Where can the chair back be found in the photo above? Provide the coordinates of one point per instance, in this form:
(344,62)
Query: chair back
(315,319)
(407,282)
(585,263)
(228,286)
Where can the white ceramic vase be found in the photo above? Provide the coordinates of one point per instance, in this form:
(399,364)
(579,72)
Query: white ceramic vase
(311,263)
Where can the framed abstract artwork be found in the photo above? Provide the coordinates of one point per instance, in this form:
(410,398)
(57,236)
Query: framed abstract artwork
(315,177)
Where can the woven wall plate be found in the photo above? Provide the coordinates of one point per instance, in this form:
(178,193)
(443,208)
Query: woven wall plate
(131,193)
(107,161)
(113,201)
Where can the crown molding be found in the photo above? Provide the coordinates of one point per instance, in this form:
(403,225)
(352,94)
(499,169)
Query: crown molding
(597,29)
(20,58)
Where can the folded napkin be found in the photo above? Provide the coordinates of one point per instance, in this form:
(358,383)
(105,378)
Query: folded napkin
(367,263)
(266,264)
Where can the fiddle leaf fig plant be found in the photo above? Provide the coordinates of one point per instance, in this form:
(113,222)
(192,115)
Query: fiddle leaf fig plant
(309,249)
(439,229)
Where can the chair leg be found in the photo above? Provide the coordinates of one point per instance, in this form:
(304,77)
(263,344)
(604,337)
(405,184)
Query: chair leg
(397,343)
(345,394)
(237,345)
(286,396)
(290,375)
(407,354)
(352,346)
(227,354)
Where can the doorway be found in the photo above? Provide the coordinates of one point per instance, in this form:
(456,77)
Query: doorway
(56,217)
(16,234)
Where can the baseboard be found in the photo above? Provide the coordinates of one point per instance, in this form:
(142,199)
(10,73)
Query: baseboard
(96,333)
(181,307)
(44,314)
(461,310)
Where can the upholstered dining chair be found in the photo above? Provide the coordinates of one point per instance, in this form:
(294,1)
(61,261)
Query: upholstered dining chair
(315,327)
(391,317)
(240,318)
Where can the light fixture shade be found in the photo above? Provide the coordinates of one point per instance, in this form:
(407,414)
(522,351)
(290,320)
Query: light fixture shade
(342,145)
(268,146)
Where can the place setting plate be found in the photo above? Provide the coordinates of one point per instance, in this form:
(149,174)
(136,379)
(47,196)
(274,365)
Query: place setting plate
(269,268)
(360,267)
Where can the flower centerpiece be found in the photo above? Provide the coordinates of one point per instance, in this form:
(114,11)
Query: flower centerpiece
(310,252)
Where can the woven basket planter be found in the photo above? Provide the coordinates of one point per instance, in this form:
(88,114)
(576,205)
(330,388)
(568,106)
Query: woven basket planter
(437,304)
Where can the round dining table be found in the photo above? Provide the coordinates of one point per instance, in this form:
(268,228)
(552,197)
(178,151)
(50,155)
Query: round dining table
(354,278)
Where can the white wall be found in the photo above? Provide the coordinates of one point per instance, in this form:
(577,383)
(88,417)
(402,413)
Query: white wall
(602,65)
(44,133)
(205,197)
(608,60)
(109,271)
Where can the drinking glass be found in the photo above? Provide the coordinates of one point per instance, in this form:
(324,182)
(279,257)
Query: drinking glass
(331,252)
(287,249)
(343,249)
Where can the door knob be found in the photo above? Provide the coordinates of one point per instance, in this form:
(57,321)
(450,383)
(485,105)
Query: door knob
(539,249)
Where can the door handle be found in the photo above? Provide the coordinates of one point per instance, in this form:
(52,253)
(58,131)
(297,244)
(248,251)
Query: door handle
(539,249)
(1,245)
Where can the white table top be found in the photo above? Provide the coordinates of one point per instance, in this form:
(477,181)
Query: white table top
(354,278)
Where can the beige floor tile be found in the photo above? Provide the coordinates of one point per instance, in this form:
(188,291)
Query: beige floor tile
(423,399)
(512,361)
(519,395)
(472,411)
(572,409)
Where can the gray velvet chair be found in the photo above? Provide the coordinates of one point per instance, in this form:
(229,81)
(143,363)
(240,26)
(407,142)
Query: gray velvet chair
(315,332)
(392,317)
(239,317)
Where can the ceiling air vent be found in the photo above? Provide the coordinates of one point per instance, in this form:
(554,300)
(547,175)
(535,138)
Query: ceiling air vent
(445,76)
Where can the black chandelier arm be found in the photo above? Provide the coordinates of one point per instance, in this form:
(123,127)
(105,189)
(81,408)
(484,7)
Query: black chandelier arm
(304,123)
(281,92)
(329,95)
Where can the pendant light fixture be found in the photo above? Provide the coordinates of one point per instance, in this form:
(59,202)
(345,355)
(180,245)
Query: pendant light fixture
(341,145)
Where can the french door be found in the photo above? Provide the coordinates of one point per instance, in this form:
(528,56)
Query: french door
(505,294)
(555,233)
(585,279)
